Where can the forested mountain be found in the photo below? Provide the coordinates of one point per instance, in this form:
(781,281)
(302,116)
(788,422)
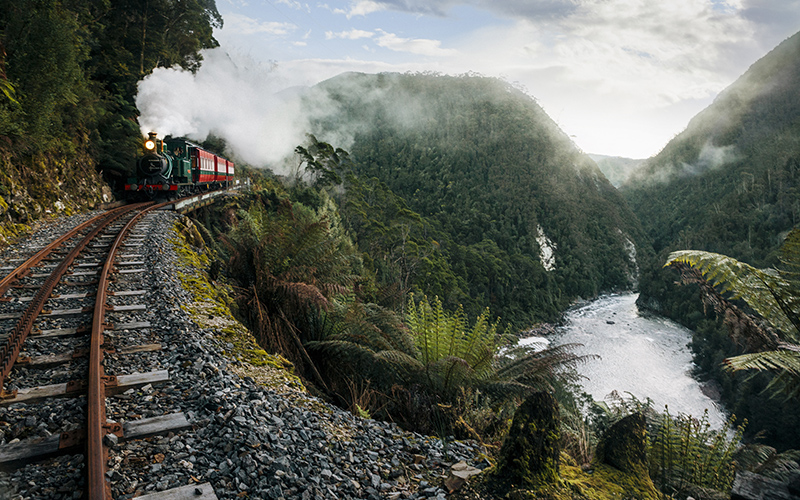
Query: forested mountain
(729,182)
(617,169)
(503,209)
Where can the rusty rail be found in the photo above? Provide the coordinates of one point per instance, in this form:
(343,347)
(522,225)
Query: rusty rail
(42,254)
(98,427)
(9,352)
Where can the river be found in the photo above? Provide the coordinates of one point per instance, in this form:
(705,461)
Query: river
(643,355)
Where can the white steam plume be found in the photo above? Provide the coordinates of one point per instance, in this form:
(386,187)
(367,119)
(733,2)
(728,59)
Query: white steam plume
(241,101)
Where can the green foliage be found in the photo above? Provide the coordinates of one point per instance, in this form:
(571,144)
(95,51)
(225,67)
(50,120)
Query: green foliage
(321,164)
(472,175)
(44,56)
(685,453)
(765,460)
(772,294)
(363,342)
(452,353)
(288,266)
(456,355)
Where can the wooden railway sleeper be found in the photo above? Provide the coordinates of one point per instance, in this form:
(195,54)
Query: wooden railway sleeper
(13,346)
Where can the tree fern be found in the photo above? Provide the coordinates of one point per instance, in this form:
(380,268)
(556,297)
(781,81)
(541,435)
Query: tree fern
(764,290)
(289,267)
(774,295)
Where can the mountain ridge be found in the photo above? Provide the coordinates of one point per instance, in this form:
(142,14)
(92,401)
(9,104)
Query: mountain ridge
(497,178)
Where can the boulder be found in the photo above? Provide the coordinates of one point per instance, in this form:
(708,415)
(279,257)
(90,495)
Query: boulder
(530,453)
(624,445)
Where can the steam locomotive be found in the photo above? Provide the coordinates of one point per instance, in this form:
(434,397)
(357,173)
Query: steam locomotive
(176,167)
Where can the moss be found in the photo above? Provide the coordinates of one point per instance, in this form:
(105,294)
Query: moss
(530,452)
(47,184)
(11,232)
(624,445)
(210,308)
(601,483)
(527,468)
(606,482)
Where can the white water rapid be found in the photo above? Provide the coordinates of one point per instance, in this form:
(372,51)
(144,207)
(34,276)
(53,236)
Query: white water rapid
(646,356)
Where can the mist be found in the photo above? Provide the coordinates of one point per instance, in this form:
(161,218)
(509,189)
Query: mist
(711,157)
(255,108)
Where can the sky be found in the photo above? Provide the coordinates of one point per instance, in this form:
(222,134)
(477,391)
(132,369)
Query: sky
(621,77)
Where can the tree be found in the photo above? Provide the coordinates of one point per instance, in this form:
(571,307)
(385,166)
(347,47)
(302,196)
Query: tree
(289,267)
(772,331)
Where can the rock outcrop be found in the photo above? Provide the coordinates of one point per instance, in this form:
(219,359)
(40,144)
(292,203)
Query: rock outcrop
(530,454)
(624,445)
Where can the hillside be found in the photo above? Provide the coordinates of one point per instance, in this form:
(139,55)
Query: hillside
(524,222)
(729,182)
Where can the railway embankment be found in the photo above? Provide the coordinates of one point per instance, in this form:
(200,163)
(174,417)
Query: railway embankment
(254,431)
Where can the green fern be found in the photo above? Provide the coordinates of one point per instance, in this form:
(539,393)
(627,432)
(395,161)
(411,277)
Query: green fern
(456,355)
(773,294)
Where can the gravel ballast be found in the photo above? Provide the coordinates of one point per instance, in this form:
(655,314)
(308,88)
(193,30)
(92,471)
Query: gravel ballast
(255,432)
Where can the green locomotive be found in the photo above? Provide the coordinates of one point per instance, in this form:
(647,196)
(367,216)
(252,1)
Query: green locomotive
(174,168)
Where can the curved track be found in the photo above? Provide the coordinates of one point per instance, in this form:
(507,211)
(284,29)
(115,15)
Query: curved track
(106,232)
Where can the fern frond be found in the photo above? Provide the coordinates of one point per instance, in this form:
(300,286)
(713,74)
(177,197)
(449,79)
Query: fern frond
(782,359)
(766,291)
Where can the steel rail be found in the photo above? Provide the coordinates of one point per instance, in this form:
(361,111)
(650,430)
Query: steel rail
(42,254)
(97,427)
(9,352)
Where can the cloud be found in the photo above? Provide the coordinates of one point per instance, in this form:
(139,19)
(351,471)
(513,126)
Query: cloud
(420,46)
(364,7)
(237,23)
(622,75)
(353,34)
(294,5)
(508,8)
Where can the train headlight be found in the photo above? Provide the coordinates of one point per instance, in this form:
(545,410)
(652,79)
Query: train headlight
(150,145)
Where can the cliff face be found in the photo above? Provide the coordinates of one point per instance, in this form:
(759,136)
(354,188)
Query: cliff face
(36,186)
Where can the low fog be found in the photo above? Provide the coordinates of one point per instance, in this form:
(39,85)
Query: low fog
(252,106)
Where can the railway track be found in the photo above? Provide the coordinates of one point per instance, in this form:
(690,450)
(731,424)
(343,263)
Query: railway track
(187,414)
(57,300)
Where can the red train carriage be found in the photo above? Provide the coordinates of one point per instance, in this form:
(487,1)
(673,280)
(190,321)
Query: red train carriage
(205,168)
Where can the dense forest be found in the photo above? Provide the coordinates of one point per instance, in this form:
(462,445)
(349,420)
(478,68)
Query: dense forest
(512,215)
(68,75)
(728,184)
